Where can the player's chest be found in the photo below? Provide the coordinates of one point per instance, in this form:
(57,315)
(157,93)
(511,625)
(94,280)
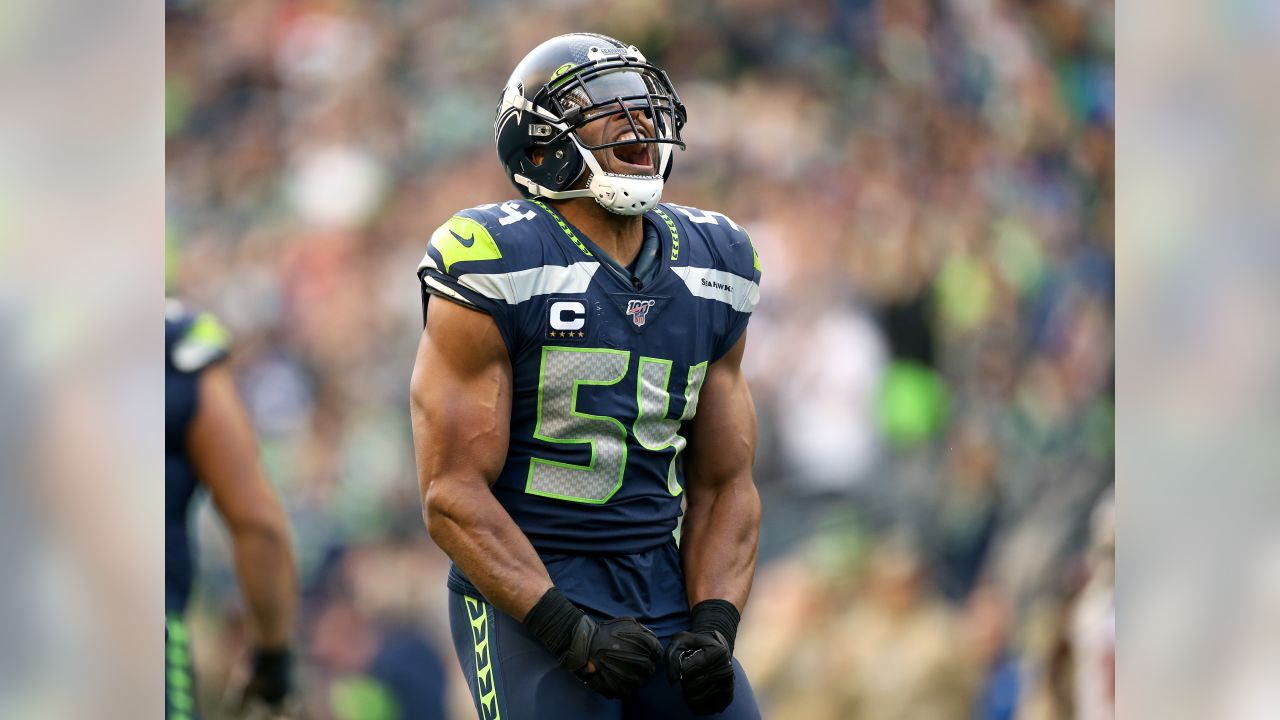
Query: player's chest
(660,322)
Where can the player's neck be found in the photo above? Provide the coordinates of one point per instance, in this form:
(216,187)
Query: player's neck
(618,235)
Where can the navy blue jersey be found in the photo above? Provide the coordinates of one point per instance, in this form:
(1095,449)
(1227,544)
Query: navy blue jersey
(192,343)
(604,373)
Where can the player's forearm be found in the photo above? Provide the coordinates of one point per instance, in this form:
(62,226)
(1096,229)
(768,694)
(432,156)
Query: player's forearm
(719,542)
(476,532)
(264,562)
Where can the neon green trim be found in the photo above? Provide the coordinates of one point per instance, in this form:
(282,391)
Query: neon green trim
(478,613)
(560,71)
(675,234)
(666,398)
(673,486)
(177,630)
(754,254)
(206,331)
(563,226)
(691,394)
(176,654)
(449,239)
(178,683)
(573,410)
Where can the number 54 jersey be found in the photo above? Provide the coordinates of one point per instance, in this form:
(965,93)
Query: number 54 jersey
(604,373)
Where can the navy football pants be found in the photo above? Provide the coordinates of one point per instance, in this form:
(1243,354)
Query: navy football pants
(513,677)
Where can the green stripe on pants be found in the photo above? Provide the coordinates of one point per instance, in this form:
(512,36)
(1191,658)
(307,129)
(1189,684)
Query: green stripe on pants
(486,683)
(179,699)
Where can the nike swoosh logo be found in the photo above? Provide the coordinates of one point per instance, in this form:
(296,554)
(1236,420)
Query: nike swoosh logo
(465,242)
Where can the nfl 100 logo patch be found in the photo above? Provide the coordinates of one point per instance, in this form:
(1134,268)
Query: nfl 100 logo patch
(642,312)
(638,310)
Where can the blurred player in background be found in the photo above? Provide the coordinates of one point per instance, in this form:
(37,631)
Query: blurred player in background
(583,329)
(209,443)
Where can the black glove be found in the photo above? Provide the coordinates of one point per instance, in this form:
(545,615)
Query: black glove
(266,694)
(624,652)
(701,660)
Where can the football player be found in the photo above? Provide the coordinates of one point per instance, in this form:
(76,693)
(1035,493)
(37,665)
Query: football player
(579,378)
(209,444)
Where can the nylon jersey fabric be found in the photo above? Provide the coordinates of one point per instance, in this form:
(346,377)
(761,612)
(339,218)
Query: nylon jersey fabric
(647,586)
(604,374)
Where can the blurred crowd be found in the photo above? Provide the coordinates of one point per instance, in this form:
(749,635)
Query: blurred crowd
(929,185)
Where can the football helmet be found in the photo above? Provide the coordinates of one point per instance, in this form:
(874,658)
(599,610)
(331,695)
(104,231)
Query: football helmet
(567,82)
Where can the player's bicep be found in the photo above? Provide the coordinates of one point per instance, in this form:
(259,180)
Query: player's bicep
(722,436)
(224,451)
(461,396)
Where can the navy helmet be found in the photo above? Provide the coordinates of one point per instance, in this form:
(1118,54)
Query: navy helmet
(563,84)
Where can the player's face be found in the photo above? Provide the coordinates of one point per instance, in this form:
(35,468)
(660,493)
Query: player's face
(609,126)
(634,159)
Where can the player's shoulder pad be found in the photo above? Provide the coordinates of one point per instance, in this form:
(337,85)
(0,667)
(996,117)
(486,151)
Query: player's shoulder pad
(193,341)
(493,238)
(714,254)
(716,237)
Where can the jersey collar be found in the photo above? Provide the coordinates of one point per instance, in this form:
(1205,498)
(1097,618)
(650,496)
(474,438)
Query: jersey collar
(658,229)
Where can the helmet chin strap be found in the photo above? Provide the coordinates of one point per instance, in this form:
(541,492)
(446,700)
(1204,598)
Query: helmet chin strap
(545,192)
(619,194)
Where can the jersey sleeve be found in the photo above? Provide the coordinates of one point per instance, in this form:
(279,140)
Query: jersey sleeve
(473,259)
(196,342)
(738,254)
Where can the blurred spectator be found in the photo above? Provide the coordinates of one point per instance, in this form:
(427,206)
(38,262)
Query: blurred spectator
(902,651)
(1093,623)
(994,656)
(964,523)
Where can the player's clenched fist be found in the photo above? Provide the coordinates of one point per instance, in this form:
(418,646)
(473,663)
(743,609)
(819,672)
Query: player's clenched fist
(701,660)
(613,657)
(622,652)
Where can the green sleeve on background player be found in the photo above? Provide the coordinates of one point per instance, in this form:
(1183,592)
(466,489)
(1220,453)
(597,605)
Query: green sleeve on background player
(206,341)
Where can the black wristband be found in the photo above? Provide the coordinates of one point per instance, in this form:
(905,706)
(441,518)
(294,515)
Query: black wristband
(271,674)
(553,620)
(719,615)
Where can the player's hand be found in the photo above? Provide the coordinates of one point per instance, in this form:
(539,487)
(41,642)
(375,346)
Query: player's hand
(266,696)
(613,657)
(703,665)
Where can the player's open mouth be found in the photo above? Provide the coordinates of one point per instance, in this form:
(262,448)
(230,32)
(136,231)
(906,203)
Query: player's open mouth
(634,158)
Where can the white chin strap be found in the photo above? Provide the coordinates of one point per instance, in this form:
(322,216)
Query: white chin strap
(623,194)
(619,194)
